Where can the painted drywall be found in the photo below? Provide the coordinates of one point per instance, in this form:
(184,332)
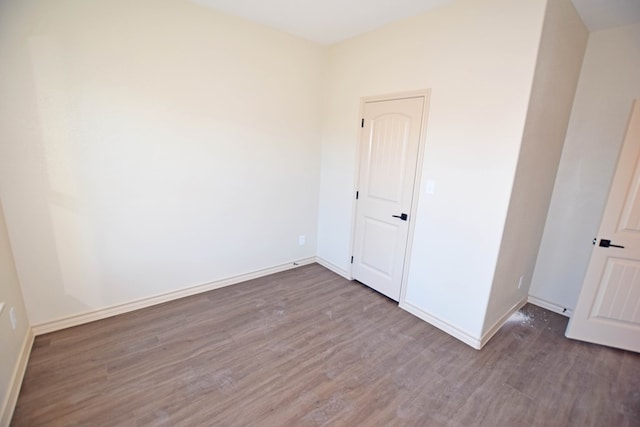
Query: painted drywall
(608,84)
(11,340)
(562,48)
(478,59)
(150,146)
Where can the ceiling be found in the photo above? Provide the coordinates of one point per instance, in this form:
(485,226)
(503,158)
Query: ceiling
(602,14)
(324,21)
(331,21)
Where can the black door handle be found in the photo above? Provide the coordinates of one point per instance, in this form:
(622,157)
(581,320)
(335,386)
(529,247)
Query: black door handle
(604,243)
(403,216)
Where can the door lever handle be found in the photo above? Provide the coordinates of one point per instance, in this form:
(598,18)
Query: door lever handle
(403,216)
(604,243)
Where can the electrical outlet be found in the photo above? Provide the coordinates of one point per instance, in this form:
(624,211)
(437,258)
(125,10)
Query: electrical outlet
(12,316)
(302,240)
(520,281)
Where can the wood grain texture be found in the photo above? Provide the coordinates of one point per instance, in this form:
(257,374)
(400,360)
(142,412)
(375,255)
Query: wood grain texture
(308,348)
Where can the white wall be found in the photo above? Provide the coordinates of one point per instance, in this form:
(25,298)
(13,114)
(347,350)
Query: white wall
(12,341)
(148,146)
(608,84)
(478,58)
(562,47)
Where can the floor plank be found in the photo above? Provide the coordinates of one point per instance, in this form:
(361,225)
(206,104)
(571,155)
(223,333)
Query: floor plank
(308,348)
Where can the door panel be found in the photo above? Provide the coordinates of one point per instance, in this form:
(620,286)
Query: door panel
(630,219)
(388,147)
(388,157)
(376,253)
(617,299)
(608,308)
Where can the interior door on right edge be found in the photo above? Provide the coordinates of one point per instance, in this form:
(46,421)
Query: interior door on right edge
(389,141)
(608,309)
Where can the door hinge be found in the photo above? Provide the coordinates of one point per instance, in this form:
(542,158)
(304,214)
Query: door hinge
(362,123)
(351,259)
(357,195)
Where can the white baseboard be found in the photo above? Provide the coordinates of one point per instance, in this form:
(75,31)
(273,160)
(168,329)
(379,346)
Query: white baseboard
(330,266)
(550,306)
(10,400)
(103,313)
(498,324)
(442,325)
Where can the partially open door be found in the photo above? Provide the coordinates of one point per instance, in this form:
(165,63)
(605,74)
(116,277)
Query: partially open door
(389,146)
(608,309)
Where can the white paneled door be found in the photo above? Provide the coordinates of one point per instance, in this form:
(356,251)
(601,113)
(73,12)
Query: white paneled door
(608,309)
(389,145)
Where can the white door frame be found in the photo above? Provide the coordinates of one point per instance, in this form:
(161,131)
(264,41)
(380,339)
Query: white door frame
(426,93)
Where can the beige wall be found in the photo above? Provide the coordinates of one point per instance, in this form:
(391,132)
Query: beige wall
(149,146)
(608,84)
(12,341)
(478,59)
(562,47)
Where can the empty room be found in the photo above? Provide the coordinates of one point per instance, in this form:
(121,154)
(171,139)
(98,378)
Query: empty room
(337,213)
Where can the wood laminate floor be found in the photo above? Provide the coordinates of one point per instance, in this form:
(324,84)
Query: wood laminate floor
(307,348)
